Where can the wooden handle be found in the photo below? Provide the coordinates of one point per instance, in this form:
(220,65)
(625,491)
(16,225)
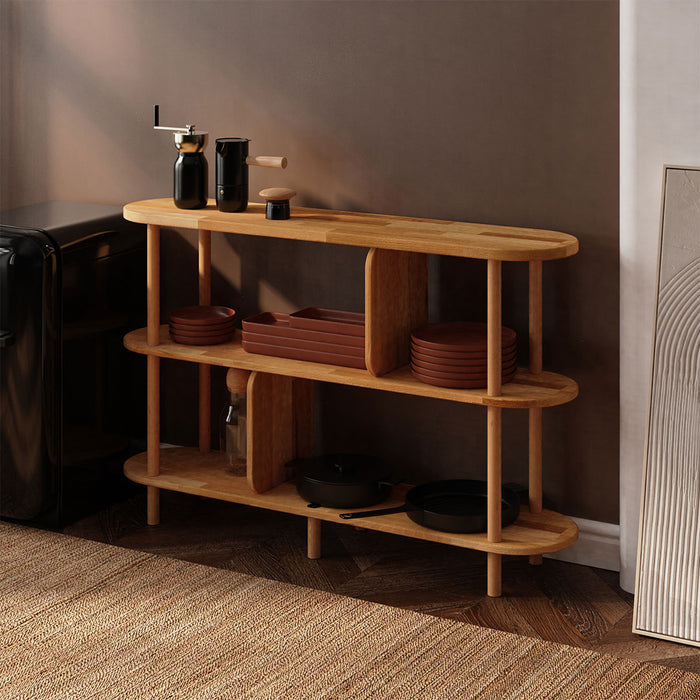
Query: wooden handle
(267,161)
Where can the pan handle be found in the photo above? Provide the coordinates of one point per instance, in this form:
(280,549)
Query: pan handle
(383,511)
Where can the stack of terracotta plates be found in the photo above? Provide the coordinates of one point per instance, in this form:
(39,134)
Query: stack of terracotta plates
(202,325)
(454,354)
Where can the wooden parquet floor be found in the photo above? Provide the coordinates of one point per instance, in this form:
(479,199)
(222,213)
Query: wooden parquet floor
(557,601)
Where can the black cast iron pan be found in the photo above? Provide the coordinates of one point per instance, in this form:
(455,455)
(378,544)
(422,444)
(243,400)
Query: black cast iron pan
(450,505)
(343,480)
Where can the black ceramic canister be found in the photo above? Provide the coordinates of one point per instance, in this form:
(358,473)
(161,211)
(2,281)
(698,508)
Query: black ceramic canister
(190,186)
(231,174)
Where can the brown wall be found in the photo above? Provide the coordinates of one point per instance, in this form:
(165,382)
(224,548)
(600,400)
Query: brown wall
(499,112)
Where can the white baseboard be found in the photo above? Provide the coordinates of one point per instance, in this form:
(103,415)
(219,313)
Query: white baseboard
(598,545)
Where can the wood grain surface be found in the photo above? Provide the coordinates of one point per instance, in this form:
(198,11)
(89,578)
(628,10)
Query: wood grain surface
(461,239)
(524,391)
(271,431)
(188,471)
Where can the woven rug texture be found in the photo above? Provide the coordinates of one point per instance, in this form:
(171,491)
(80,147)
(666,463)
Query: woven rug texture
(81,619)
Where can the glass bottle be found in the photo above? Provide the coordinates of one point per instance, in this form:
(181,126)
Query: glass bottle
(232,434)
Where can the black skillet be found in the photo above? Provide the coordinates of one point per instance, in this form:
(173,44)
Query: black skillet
(450,505)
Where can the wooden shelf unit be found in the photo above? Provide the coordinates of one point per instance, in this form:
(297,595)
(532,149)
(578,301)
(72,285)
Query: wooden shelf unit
(280,396)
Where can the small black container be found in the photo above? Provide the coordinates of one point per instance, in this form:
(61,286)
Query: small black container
(277,210)
(231,174)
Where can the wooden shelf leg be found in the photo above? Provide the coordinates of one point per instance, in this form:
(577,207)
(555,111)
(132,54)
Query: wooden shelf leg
(493,575)
(493,426)
(493,458)
(535,414)
(204,408)
(204,267)
(535,316)
(535,468)
(204,370)
(153,370)
(153,283)
(153,437)
(313,531)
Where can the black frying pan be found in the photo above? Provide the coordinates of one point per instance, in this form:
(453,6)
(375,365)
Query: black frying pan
(451,505)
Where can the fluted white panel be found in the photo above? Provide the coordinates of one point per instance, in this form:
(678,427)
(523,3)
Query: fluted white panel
(668,577)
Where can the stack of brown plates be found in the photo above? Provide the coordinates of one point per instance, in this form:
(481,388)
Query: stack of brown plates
(316,335)
(202,325)
(454,354)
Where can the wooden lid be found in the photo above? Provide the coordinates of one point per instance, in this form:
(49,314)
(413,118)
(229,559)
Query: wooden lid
(277,193)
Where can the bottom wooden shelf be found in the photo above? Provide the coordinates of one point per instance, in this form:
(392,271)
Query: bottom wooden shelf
(187,470)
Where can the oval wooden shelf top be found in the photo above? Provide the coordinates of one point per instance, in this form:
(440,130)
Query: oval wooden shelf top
(367,230)
(187,470)
(524,391)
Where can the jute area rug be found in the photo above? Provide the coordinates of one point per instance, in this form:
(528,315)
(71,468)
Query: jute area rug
(80,619)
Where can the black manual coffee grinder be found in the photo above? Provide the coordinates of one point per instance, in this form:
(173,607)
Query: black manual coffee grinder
(191,177)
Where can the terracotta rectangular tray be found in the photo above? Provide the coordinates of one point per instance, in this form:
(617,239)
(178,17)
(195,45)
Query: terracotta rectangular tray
(301,344)
(329,321)
(328,358)
(275,324)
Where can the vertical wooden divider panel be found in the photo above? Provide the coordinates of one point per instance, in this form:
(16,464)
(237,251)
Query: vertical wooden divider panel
(153,370)
(396,302)
(271,429)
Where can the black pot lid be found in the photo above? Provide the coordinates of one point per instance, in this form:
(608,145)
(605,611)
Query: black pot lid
(341,469)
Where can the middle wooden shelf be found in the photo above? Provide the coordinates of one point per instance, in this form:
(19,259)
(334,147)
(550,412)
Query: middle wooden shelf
(526,390)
